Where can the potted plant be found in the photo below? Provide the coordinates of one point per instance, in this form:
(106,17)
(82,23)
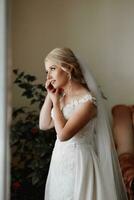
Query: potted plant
(31,147)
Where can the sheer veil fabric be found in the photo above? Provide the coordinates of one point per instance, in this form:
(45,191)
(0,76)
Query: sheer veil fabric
(106,152)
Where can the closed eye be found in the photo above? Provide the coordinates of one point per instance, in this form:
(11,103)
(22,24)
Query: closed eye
(52,68)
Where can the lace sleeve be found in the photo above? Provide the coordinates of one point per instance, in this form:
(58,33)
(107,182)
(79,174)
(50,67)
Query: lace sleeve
(90,98)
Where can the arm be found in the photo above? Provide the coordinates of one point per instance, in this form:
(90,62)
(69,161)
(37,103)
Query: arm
(45,120)
(67,129)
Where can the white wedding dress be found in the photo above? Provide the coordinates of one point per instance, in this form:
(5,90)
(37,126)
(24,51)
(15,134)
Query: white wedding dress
(74,172)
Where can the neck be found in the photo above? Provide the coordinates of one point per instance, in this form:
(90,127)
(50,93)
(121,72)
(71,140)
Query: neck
(71,88)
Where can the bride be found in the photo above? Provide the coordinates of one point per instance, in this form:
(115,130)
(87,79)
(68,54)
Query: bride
(84,164)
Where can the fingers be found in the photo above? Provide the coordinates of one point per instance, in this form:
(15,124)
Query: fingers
(49,86)
(47,83)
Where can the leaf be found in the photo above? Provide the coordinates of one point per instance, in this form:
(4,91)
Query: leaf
(17,81)
(33,101)
(21,74)
(14,141)
(24,85)
(15,71)
(35,179)
(30,78)
(40,86)
(18,111)
(28,94)
(42,154)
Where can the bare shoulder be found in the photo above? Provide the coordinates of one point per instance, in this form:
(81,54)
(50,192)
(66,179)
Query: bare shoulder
(87,108)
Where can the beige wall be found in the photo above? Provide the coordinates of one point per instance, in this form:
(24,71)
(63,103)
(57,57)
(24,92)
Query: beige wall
(101,31)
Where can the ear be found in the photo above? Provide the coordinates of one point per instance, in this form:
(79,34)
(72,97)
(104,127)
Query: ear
(67,67)
(70,68)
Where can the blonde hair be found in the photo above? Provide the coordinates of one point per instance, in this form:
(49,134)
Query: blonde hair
(68,61)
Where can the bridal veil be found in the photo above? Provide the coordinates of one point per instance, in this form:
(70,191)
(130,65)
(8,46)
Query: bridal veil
(106,152)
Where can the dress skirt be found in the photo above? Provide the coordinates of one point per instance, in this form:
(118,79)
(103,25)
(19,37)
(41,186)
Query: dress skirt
(74,173)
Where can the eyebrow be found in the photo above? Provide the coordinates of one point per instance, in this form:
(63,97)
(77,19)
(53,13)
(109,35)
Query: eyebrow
(52,66)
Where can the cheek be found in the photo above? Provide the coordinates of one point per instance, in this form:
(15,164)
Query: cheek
(63,78)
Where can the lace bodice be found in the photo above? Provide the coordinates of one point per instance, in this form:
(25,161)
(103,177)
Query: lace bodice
(85,135)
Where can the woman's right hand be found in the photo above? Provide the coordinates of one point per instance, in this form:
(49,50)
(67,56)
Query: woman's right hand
(49,87)
(53,93)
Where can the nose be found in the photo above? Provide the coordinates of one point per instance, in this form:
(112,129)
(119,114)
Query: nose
(48,76)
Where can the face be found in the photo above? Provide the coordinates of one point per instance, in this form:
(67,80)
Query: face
(58,77)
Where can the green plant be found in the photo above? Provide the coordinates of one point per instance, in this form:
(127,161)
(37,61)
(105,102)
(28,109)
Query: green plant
(31,148)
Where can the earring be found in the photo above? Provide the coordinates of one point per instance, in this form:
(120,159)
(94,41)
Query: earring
(69,76)
(69,89)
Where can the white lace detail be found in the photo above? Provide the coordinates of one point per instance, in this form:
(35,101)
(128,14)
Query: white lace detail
(70,107)
(82,136)
(82,100)
(85,98)
(62,174)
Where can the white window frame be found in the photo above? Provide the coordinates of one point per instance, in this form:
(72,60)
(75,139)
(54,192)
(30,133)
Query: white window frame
(4,131)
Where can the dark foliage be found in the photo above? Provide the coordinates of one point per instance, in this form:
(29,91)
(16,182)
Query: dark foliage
(31,148)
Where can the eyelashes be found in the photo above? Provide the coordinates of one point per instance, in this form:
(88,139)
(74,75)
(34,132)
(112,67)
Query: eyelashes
(52,68)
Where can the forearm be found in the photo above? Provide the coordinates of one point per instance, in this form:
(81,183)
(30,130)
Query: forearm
(59,120)
(45,113)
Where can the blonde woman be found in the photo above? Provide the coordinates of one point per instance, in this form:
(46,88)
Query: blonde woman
(84,164)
